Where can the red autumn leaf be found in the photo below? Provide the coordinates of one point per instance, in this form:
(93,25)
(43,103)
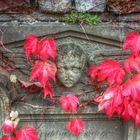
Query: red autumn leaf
(26,133)
(75,126)
(137,120)
(92,72)
(47,48)
(48,91)
(125,114)
(8,138)
(43,71)
(132,62)
(8,126)
(111,101)
(132,87)
(112,70)
(69,102)
(132,40)
(132,109)
(31,44)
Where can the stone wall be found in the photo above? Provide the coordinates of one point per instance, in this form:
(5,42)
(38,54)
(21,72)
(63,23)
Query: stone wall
(63,6)
(104,40)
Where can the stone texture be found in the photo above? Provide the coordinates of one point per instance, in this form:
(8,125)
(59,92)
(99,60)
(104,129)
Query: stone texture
(90,5)
(14,6)
(123,6)
(55,5)
(102,41)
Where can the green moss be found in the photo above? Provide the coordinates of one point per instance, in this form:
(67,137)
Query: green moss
(87,18)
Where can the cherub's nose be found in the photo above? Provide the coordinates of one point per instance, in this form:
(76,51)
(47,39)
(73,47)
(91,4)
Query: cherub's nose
(69,72)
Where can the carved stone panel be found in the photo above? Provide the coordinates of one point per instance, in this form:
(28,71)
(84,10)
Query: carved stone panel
(76,51)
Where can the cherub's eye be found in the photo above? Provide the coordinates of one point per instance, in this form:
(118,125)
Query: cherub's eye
(75,69)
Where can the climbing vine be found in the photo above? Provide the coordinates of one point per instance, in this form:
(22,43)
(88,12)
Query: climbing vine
(123,93)
(122,96)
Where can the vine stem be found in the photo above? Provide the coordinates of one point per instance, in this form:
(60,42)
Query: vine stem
(84,31)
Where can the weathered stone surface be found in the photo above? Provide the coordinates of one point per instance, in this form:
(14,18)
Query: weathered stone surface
(100,42)
(55,5)
(4,106)
(90,5)
(123,6)
(14,6)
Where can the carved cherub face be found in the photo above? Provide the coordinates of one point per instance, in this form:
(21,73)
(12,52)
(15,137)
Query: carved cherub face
(70,63)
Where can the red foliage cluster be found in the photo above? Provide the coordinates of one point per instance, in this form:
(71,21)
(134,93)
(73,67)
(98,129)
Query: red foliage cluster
(43,52)
(123,94)
(121,97)
(75,125)
(44,69)
(24,133)
(70,102)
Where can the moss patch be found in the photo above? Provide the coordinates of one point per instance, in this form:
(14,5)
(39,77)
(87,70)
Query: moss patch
(76,17)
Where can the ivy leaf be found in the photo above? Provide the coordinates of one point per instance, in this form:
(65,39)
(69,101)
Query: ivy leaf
(47,48)
(125,114)
(48,91)
(132,40)
(112,70)
(132,109)
(132,62)
(69,102)
(137,121)
(43,71)
(8,138)
(111,101)
(26,133)
(31,44)
(132,87)
(92,72)
(75,126)
(8,126)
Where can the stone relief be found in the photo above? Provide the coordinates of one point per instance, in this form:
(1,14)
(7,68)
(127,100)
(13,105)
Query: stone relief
(70,63)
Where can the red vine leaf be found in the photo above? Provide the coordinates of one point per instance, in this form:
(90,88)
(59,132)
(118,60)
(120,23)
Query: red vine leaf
(137,121)
(111,101)
(132,40)
(132,109)
(92,72)
(31,44)
(47,48)
(48,91)
(132,62)
(43,71)
(69,102)
(8,126)
(132,87)
(8,138)
(26,133)
(125,114)
(112,70)
(75,126)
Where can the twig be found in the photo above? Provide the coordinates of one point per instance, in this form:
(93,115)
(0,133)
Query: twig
(84,31)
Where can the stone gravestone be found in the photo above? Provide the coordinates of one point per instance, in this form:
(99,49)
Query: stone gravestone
(75,52)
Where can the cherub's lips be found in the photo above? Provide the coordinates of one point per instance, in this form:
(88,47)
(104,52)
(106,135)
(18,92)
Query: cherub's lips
(68,80)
